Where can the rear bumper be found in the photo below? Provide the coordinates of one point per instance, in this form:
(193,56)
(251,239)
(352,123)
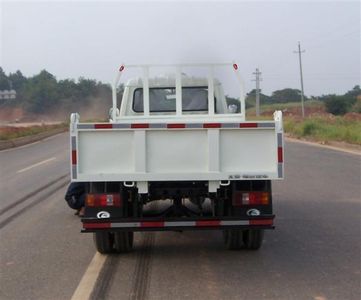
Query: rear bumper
(146,224)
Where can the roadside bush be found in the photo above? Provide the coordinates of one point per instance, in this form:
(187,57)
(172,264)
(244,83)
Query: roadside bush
(339,105)
(357,106)
(324,129)
(336,105)
(289,125)
(309,128)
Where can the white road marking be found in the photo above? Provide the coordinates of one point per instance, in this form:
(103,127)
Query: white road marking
(293,140)
(36,165)
(86,285)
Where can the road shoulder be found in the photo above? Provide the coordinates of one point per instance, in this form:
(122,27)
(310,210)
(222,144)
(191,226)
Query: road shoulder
(338,146)
(21,141)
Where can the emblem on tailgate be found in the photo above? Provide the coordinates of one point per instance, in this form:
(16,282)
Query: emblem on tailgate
(253,212)
(103,215)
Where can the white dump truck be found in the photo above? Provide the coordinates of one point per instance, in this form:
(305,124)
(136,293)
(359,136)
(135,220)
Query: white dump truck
(176,156)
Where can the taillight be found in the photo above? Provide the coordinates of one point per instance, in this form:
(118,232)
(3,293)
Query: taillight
(99,200)
(250,198)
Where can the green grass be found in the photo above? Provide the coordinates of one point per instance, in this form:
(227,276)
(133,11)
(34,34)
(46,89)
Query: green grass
(325,129)
(9,133)
(319,126)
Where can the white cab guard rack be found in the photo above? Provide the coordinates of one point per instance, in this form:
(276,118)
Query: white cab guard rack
(177,69)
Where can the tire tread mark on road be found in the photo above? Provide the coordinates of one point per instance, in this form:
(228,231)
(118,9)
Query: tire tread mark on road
(37,191)
(24,209)
(103,282)
(141,277)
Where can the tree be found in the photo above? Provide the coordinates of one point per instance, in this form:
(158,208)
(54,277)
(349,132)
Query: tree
(41,93)
(4,81)
(86,87)
(66,88)
(355,92)
(18,80)
(44,94)
(286,95)
(339,105)
(251,98)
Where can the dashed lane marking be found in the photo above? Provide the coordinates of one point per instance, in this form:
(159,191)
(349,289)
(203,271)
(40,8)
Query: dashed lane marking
(36,165)
(87,283)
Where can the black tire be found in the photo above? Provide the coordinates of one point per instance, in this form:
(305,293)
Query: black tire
(123,241)
(253,238)
(103,242)
(233,239)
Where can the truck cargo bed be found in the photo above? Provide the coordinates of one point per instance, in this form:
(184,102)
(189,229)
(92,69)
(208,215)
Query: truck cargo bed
(156,151)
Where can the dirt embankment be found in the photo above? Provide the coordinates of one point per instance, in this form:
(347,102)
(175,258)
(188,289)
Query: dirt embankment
(296,112)
(312,111)
(11,114)
(97,109)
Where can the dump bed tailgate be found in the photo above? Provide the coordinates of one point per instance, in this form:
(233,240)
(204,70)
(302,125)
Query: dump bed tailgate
(176,151)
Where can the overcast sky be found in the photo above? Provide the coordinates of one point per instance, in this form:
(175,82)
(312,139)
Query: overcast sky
(91,39)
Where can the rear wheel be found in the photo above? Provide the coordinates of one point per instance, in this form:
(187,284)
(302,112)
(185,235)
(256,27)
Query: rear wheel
(123,241)
(233,239)
(253,238)
(103,241)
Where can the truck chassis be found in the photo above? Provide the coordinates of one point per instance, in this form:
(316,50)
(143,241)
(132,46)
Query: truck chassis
(242,220)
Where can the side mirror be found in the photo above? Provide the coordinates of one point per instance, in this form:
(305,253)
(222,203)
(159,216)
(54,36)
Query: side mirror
(110,114)
(232,108)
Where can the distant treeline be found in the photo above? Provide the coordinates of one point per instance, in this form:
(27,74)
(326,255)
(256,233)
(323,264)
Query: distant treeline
(43,94)
(335,104)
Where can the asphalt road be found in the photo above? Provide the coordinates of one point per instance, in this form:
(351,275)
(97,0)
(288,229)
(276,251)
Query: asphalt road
(314,253)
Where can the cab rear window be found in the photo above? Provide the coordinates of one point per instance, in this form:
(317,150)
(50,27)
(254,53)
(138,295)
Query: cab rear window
(164,99)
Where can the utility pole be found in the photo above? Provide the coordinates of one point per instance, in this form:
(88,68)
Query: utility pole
(257,80)
(302,93)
